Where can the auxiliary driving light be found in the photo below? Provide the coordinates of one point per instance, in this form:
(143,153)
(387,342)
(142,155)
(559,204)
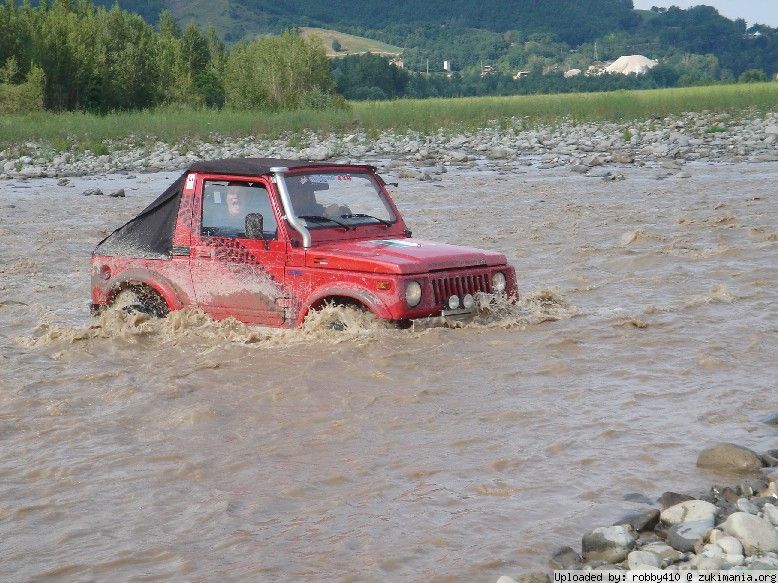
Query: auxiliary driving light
(468,301)
(498,282)
(413,293)
(453,302)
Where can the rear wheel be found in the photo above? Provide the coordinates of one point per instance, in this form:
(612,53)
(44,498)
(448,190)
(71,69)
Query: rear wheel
(140,300)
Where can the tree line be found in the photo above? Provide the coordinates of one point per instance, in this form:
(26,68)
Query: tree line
(78,55)
(73,55)
(372,77)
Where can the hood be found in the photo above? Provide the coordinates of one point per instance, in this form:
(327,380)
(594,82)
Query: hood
(399,256)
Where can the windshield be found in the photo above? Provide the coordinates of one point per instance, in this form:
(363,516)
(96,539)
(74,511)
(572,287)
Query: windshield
(336,199)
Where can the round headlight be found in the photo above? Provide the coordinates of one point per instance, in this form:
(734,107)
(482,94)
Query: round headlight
(453,302)
(498,282)
(468,301)
(413,293)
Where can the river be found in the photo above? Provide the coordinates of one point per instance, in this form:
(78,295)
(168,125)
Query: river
(190,450)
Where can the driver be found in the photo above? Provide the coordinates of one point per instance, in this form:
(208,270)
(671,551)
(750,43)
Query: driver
(236,207)
(303,197)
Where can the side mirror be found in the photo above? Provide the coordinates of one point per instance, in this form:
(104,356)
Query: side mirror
(255,226)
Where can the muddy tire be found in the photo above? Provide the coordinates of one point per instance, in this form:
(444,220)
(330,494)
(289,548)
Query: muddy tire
(140,300)
(341,315)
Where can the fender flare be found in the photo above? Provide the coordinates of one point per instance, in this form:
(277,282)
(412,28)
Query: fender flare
(356,293)
(156,281)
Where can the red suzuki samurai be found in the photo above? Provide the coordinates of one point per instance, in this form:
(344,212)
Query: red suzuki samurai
(268,240)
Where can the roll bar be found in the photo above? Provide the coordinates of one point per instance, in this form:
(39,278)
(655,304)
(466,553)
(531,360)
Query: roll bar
(278,174)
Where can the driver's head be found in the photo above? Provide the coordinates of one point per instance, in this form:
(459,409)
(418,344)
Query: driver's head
(301,192)
(234,199)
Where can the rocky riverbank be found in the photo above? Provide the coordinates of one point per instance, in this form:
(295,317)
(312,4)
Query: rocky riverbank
(593,149)
(731,527)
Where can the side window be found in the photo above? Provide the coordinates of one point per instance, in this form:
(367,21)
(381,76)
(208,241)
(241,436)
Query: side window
(226,204)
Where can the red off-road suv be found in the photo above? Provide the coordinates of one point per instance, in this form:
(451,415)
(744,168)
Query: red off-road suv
(267,240)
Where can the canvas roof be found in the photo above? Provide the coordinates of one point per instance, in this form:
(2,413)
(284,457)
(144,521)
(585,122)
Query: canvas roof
(150,234)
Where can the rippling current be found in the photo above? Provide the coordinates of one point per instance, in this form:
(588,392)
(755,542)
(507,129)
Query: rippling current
(187,449)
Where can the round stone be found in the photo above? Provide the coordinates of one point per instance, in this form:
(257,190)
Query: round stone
(689,511)
(643,560)
(729,457)
(756,534)
(608,543)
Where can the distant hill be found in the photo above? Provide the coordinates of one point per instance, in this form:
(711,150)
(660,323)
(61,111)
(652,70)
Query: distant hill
(509,34)
(574,21)
(349,43)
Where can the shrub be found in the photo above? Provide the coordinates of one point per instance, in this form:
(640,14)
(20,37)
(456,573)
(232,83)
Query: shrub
(752,76)
(276,73)
(25,97)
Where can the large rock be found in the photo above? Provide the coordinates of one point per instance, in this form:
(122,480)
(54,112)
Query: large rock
(499,153)
(318,154)
(565,559)
(608,543)
(743,505)
(756,534)
(730,545)
(729,457)
(623,157)
(664,551)
(689,511)
(643,560)
(684,536)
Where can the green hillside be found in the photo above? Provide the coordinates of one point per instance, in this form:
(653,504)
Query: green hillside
(508,34)
(349,43)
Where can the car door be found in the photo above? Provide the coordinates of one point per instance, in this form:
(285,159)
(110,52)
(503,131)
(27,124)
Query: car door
(232,274)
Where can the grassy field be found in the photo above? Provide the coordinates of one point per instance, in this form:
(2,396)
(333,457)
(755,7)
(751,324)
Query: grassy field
(82,130)
(350,44)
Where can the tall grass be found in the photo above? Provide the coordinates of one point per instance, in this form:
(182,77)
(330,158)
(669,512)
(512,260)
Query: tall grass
(62,130)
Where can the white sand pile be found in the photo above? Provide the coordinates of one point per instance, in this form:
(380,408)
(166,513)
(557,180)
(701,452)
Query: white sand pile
(631,65)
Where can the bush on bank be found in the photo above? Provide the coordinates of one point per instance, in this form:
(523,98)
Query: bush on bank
(22,97)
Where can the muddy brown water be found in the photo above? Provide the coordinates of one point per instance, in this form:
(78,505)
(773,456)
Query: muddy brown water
(185,449)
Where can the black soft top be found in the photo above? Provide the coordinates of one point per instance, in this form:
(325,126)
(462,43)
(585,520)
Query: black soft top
(150,234)
(248,166)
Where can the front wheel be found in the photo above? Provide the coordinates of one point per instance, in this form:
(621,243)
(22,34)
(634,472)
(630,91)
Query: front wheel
(140,300)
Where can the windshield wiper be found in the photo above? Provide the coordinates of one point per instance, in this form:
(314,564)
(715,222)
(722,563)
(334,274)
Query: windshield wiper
(364,216)
(320,219)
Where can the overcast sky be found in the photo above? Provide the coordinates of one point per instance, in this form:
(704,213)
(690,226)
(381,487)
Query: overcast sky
(753,11)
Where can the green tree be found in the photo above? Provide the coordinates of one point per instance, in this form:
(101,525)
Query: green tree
(752,76)
(369,77)
(275,73)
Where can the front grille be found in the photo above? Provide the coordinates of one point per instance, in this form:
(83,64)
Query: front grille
(460,285)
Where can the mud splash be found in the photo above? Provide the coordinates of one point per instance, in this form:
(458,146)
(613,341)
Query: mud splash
(330,324)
